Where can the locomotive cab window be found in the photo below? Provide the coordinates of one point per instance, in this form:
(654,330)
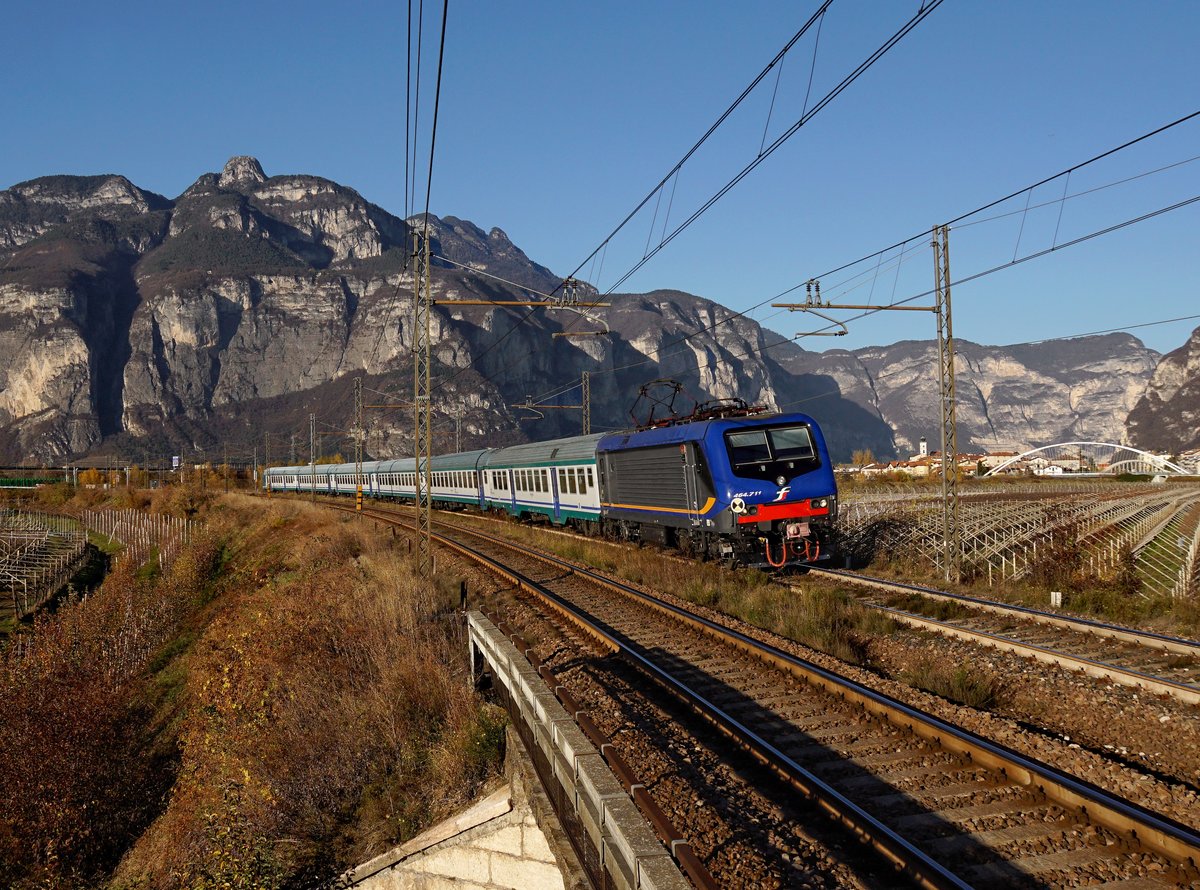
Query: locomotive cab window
(748,448)
(765,453)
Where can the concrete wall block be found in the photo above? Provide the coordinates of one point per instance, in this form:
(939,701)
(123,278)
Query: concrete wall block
(570,738)
(535,846)
(594,784)
(564,772)
(549,710)
(594,779)
(622,871)
(544,740)
(509,871)
(528,681)
(461,863)
(631,838)
(504,839)
(661,873)
(590,821)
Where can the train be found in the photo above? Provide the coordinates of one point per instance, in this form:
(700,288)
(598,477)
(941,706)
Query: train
(754,490)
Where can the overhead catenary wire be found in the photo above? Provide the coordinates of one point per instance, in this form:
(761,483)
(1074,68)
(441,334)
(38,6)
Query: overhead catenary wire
(778,58)
(602,249)
(437,99)
(763,154)
(926,293)
(407,116)
(907,27)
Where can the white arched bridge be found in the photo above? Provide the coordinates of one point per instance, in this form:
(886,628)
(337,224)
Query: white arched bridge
(1091,458)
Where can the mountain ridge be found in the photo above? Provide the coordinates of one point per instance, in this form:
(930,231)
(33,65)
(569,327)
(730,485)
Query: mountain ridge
(155,325)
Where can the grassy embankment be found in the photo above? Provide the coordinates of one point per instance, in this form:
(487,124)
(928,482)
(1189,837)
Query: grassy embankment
(284,701)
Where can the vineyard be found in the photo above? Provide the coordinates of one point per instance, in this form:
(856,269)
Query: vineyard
(38,555)
(1146,534)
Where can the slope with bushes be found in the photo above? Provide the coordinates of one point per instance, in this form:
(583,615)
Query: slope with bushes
(286,701)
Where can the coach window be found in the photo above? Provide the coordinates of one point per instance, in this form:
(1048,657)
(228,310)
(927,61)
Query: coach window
(571,482)
(591,478)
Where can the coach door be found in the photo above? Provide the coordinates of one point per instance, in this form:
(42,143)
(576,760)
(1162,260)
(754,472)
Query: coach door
(552,472)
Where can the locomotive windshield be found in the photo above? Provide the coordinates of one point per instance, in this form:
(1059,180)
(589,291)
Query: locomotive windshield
(766,452)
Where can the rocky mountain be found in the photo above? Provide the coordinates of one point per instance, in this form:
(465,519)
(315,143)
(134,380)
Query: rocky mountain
(134,323)
(1029,394)
(1167,417)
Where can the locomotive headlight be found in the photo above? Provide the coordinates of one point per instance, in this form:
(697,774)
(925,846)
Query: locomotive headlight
(779,480)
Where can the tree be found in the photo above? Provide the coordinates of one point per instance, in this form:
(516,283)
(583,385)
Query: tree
(862,457)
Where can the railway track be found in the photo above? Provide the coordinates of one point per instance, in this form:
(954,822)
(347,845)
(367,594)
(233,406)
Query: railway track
(947,808)
(1160,664)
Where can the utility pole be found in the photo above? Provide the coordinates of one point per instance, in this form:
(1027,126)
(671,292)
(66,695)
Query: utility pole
(458,429)
(267,457)
(422,404)
(951,557)
(312,455)
(951,532)
(293,460)
(358,444)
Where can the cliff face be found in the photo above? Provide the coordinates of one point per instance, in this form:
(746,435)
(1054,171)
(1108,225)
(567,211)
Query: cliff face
(133,322)
(1029,394)
(1167,417)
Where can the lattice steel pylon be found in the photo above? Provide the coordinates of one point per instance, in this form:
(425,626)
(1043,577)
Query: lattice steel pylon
(586,402)
(358,433)
(422,404)
(951,529)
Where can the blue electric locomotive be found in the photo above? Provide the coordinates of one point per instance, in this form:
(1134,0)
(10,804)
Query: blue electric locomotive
(756,490)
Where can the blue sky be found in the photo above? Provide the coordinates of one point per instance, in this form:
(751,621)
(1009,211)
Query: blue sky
(557,117)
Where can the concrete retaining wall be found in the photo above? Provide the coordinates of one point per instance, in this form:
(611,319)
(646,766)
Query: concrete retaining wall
(616,846)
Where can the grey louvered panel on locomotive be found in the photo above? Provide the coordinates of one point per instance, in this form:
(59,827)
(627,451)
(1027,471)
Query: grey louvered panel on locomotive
(649,477)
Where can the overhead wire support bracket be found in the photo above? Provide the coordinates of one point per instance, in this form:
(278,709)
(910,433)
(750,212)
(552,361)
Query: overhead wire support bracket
(951,561)
(585,405)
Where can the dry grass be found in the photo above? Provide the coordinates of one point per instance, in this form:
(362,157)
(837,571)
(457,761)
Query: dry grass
(303,707)
(964,683)
(819,615)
